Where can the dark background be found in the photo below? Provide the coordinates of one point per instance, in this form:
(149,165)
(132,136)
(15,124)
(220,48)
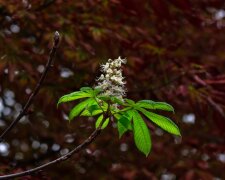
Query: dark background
(176,53)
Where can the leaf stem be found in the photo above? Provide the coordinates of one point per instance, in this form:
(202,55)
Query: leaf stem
(100,107)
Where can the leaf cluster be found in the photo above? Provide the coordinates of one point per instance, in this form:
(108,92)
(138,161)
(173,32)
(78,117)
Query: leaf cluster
(127,113)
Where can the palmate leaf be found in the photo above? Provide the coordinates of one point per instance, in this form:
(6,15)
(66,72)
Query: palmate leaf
(142,137)
(80,107)
(163,122)
(148,104)
(73,96)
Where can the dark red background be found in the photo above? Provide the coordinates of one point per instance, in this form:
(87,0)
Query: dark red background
(176,53)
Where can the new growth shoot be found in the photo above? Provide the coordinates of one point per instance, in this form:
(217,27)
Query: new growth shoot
(106,101)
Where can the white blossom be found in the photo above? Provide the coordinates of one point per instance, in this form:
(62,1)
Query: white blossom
(101,77)
(111,80)
(109,71)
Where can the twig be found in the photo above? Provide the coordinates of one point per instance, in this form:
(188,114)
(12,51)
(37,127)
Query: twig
(37,88)
(89,140)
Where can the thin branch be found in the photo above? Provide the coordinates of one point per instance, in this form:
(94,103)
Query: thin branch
(89,140)
(37,88)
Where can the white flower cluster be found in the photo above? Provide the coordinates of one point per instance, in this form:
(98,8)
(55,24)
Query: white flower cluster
(111,81)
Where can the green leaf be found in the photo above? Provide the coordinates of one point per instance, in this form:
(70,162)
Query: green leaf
(103,97)
(130,102)
(80,107)
(93,108)
(91,91)
(99,121)
(117,100)
(125,109)
(73,96)
(123,124)
(163,122)
(86,112)
(86,89)
(119,111)
(97,90)
(130,113)
(105,124)
(121,129)
(148,104)
(142,137)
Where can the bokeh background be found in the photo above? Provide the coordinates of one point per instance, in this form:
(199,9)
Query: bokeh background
(176,53)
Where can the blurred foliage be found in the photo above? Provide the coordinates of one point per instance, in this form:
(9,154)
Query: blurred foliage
(175,53)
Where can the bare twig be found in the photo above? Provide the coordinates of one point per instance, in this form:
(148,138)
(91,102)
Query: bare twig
(37,88)
(89,140)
